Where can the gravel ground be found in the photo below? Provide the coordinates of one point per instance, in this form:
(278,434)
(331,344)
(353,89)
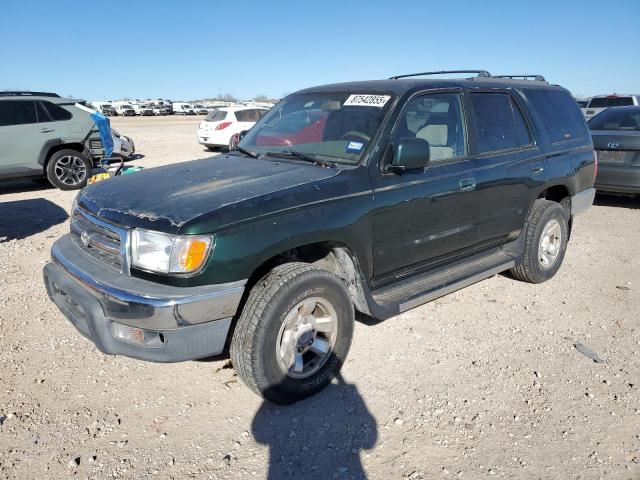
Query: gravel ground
(483,383)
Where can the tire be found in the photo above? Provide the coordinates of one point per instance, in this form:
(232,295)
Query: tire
(546,235)
(258,343)
(68,169)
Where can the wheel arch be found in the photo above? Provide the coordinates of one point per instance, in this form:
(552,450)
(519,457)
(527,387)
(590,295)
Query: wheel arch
(560,194)
(555,193)
(333,256)
(53,146)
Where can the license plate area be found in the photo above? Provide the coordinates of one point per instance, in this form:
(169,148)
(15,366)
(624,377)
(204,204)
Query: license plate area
(612,157)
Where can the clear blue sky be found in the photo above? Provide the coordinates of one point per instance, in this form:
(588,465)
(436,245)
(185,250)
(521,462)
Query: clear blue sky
(193,49)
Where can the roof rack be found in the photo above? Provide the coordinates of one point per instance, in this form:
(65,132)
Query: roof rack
(28,94)
(479,73)
(535,77)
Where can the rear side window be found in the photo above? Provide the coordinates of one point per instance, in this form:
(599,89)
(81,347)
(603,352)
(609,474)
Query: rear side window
(56,112)
(17,112)
(216,116)
(499,122)
(43,115)
(560,114)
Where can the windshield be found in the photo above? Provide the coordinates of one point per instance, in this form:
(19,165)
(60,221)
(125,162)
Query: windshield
(337,127)
(617,119)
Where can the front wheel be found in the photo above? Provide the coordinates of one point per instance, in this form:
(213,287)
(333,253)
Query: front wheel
(68,169)
(546,235)
(294,333)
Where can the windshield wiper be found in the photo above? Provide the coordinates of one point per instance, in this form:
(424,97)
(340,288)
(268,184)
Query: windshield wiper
(245,151)
(303,156)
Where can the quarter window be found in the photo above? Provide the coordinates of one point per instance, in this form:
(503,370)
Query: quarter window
(56,112)
(560,114)
(499,122)
(17,112)
(43,116)
(437,119)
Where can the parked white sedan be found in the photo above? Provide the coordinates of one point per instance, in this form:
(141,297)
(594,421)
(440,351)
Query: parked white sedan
(219,126)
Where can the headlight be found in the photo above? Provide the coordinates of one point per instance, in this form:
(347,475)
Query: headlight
(164,253)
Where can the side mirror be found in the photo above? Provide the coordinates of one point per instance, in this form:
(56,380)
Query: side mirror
(242,134)
(410,154)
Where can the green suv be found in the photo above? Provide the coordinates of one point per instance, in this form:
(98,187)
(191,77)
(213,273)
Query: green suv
(371,197)
(44,134)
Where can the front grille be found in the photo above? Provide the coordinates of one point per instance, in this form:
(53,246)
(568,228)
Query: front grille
(95,144)
(100,240)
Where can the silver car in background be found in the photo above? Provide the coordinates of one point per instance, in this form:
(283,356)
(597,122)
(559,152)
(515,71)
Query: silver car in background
(616,140)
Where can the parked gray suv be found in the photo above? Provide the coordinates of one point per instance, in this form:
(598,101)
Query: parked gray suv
(42,134)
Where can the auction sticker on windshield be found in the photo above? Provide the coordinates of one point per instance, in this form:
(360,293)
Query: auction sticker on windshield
(363,100)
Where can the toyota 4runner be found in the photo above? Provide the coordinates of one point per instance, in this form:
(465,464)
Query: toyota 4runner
(373,196)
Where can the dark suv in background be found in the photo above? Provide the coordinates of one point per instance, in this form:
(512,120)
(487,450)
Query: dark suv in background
(380,196)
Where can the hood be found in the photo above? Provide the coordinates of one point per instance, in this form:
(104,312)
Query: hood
(166,198)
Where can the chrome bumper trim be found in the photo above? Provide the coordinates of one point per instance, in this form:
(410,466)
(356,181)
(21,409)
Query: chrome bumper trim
(141,303)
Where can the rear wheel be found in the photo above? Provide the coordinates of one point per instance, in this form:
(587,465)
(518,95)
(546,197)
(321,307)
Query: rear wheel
(546,236)
(294,333)
(68,169)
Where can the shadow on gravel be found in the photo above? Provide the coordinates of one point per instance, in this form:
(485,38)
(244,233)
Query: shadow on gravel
(19,186)
(23,218)
(617,201)
(319,438)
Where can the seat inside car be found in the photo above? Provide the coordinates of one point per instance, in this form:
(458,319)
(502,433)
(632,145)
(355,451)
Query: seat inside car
(437,136)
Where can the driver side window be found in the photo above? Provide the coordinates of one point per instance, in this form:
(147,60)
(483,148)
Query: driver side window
(436,118)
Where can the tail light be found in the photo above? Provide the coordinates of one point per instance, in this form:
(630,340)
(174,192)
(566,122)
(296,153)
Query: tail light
(595,169)
(223,125)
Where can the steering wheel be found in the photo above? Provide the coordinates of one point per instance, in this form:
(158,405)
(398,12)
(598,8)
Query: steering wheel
(354,133)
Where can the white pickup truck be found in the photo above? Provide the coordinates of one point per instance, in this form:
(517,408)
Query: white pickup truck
(602,102)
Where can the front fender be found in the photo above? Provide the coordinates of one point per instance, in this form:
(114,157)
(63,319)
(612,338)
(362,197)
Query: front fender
(240,250)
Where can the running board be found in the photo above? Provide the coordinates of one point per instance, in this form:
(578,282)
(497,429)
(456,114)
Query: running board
(409,293)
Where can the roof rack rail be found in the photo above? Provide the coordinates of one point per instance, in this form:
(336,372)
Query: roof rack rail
(535,77)
(28,94)
(479,73)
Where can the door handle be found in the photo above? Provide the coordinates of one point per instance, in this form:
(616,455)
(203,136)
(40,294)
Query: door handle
(537,170)
(467,184)
(46,130)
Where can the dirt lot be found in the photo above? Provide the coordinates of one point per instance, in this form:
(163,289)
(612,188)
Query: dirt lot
(482,383)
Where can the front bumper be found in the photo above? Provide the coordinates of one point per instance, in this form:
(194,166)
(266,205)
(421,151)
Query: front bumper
(169,324)
(618,178)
